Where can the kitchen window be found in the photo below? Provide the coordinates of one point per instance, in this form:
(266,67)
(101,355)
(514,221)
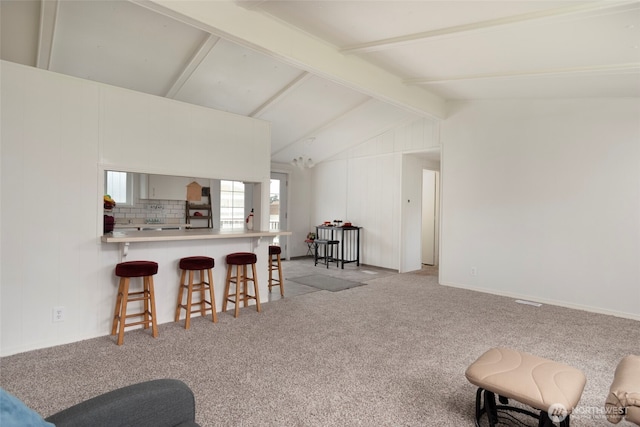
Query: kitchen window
(231,204)
(119,185)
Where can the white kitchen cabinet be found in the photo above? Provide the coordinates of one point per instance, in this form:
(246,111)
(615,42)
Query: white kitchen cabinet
(167,187)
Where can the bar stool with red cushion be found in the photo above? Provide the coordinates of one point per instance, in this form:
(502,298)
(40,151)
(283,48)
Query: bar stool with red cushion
(127,270)
(241,261)
(193,264)
(275,264)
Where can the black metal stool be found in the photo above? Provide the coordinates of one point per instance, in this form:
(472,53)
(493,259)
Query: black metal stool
(328,252)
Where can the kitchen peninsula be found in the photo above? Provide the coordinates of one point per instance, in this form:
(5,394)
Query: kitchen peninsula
(100,128)
(127,237)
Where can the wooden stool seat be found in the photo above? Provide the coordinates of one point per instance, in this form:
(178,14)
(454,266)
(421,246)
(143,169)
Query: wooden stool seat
(196,263)
(241,261)
(275,264)
(242,258)
(275,250)
(136,269)
(127,270)
(191,265)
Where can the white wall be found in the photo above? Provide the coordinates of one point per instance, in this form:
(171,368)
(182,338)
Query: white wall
(542,198)
(160,135)
(58,132)
(366,185)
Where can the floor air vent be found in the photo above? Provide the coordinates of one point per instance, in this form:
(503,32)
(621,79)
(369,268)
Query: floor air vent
(535,304)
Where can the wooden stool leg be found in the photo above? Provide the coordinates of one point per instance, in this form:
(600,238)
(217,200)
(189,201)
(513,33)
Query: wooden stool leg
(123,310)
(152,301)
(214,315)
(255,287)
(146,303)
(118,310)
(245,287)
(226,288)
(281,283)
(187,323)
(203,285)
(270,272)
(180,295)
(239,279)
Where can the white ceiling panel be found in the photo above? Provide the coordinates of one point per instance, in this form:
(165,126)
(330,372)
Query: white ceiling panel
(236,79)
(19,43)
(595,41)
(314,104)
(237,56)
(362,123)
(583,85)
(122,44)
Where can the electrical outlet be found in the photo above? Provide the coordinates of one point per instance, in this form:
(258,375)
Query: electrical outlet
(58,314)
(474,271)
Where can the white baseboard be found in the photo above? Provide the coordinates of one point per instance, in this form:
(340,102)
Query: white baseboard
(558,303)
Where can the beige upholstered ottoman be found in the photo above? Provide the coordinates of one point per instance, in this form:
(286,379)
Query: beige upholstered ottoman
(550,387)
(624,395)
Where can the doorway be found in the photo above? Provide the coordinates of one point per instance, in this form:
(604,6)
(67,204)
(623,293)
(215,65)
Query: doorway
(412,239)
(430,216)
(278,208)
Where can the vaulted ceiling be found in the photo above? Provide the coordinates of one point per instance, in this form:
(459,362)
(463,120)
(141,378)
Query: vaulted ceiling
(331,74)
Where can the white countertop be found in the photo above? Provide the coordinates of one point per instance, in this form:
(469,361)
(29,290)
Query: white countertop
(187,234)
(141,226)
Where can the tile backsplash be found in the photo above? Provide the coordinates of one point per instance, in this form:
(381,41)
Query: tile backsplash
(150,211)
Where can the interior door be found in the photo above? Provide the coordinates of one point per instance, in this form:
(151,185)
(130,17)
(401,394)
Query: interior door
(429,186)
(278,208)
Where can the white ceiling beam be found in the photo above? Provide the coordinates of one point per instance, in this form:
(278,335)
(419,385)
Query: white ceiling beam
(600,70)
(260,32)
(584,9)
(281,94)
(193,65)
(48,18)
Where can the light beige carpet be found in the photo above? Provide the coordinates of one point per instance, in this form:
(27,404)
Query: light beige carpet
(391,353)
(327,283)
